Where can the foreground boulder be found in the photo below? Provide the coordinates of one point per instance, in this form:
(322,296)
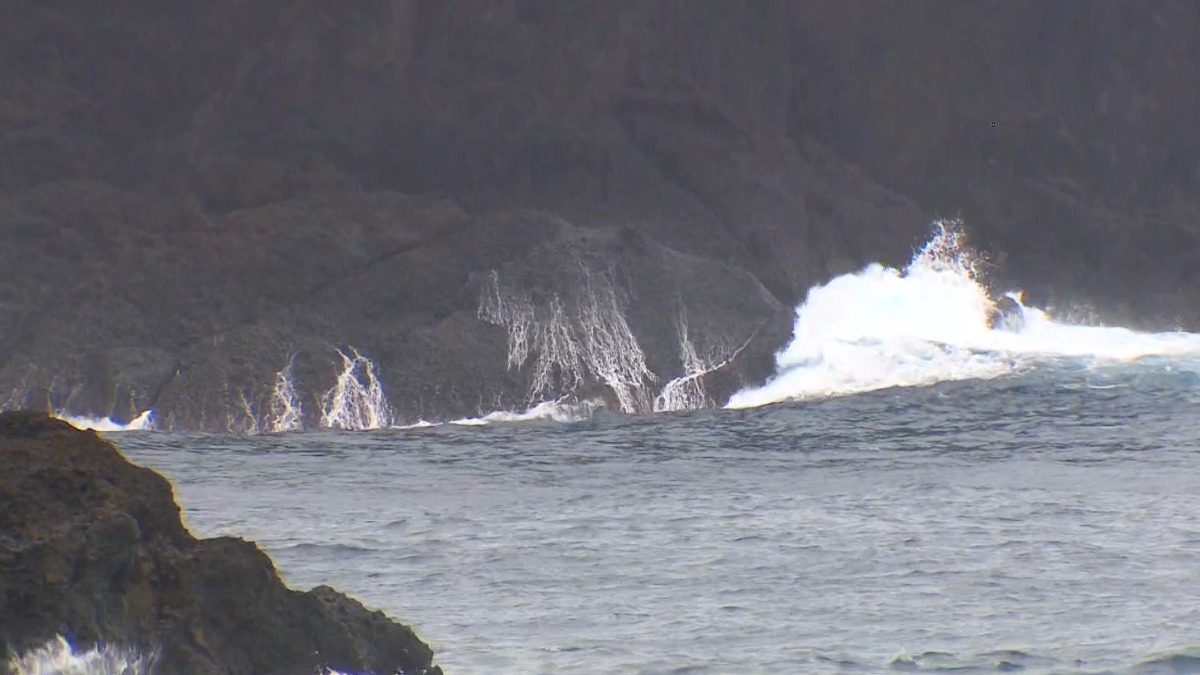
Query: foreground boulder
(93,547)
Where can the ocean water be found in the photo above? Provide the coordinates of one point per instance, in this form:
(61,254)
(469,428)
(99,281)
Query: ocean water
(1047,521)
(911,491)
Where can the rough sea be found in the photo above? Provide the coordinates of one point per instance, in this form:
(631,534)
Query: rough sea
(912,491)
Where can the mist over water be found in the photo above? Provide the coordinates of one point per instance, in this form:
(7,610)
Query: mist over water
(882,327)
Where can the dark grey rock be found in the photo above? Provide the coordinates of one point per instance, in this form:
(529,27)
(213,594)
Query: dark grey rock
(92,546)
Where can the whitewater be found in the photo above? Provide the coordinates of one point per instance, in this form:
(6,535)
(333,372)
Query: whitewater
(928,323)
(876,328)
(911,490)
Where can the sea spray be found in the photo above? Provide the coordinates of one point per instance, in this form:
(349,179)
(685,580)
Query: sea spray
(18,398)
(574,335)
(143,422)
(58,657)
(882,327)
(356,401)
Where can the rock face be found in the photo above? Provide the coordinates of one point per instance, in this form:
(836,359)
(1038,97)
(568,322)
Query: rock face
(193,202)
(92,546)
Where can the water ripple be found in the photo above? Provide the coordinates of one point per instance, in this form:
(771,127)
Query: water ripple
(1042,522)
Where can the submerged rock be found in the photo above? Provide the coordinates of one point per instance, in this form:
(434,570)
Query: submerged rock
(1006,314)
(93,547)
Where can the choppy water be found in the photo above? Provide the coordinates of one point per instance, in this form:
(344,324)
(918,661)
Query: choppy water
(1046,521)
(948,497)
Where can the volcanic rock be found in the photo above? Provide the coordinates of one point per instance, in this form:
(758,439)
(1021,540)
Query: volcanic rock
(92,547)
(193,201)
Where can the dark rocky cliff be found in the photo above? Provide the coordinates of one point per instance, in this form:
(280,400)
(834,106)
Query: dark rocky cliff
(193,199)
(93,547)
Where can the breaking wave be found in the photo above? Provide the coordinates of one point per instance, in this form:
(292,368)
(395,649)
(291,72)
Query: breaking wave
(882,327)
(58,657)
(554,411)
(877,328)
(143,422)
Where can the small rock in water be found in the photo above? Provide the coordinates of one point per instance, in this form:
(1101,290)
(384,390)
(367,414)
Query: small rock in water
(1006,315)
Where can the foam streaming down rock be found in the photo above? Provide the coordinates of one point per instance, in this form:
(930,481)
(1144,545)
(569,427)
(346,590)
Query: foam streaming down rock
(286,410)
(882,327)
(687,391)
(356,402)
(572,336)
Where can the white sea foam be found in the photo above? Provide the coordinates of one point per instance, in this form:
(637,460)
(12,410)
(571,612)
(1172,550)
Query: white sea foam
(143,422)
(883,327)
(555,411)
(58,657)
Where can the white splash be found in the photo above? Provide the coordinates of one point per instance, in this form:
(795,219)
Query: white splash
(356,401)
(571,341)
(882,327)
(143,422)
(555,411)
(58,657)
(419,424)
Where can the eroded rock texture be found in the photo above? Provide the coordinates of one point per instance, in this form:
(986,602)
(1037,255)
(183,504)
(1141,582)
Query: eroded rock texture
(193,200)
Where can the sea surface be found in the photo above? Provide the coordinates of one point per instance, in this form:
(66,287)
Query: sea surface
(1045,520)
(916,488)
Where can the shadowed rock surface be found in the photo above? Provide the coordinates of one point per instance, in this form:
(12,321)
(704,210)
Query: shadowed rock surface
(93,547)
(191,200)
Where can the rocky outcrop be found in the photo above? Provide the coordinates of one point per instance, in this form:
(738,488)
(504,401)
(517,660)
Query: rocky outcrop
(93,547)
(192,202)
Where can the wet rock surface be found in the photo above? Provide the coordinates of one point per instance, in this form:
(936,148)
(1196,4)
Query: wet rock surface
(92,547)
(192,202)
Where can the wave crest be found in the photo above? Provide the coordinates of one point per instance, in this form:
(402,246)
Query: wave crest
(882,327)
